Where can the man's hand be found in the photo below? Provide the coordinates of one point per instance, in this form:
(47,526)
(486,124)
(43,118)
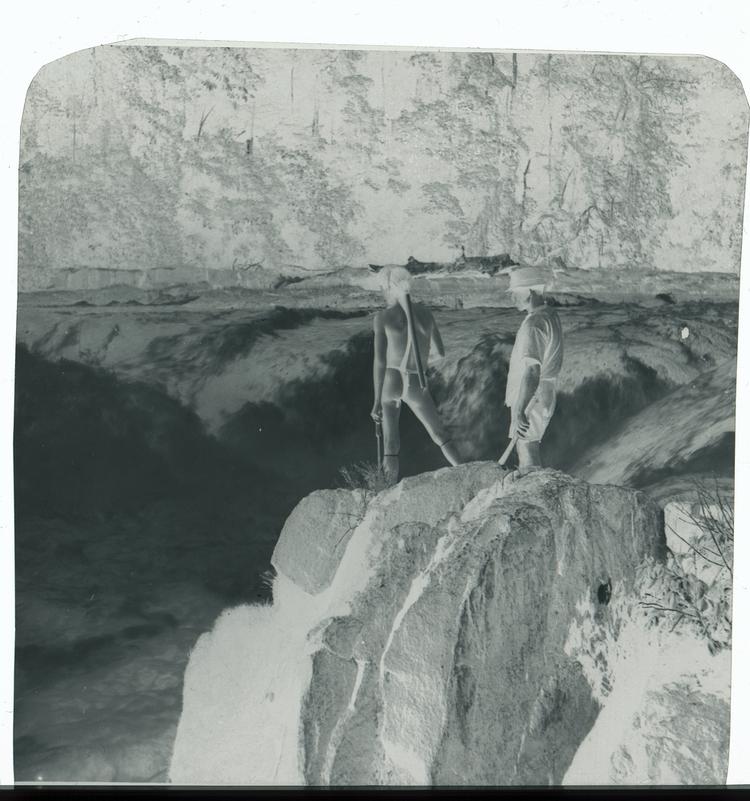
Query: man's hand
(377,412)
(520,425)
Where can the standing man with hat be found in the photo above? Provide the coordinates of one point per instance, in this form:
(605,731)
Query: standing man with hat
(535,364)
(404,332)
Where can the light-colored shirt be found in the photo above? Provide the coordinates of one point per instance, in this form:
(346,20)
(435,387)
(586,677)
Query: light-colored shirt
(538,341)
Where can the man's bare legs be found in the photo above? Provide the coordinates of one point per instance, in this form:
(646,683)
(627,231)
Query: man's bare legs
(529,455)
(421,403)
(451,453)
(529,460)
(391,439)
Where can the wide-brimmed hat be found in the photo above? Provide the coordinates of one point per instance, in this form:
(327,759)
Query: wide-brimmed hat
(527,278)
(395,278)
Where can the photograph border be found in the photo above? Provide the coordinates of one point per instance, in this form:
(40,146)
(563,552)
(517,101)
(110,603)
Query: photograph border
(37,36)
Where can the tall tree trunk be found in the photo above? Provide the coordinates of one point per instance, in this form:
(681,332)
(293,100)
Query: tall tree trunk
(480,232)
(94,77)
(315,125)
(382,85)
(523,197)
(250,143)
(105,142)
(549,108)
(386,132)
(512,87)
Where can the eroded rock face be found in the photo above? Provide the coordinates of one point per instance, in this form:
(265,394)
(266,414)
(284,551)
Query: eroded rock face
(463,667)
(315,536)
(437,652)
(664,698)
(660,662)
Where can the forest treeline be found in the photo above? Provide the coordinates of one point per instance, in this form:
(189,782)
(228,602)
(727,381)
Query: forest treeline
(225,158)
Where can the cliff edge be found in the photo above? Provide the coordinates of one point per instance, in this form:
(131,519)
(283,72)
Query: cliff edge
(449,630)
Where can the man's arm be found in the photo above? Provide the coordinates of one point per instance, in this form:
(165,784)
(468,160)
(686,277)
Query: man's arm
(531,340)
(529,384)
(378,365)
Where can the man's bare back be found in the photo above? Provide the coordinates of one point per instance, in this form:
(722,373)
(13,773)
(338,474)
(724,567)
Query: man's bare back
(395,326)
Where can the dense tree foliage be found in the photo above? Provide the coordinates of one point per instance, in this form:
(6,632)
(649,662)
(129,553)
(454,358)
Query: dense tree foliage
(222,158)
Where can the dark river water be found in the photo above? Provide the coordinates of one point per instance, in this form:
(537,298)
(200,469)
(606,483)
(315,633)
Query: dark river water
(138,520)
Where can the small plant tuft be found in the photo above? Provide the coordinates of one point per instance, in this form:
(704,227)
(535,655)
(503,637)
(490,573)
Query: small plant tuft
(267,578)
(364,475)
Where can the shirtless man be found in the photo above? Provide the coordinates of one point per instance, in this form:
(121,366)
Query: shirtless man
(396,370)
(535,363)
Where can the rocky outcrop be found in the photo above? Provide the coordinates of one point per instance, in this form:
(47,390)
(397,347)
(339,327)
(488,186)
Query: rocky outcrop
(645,450)
(427,638)
(319,527)
(665,720)
(660,666)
